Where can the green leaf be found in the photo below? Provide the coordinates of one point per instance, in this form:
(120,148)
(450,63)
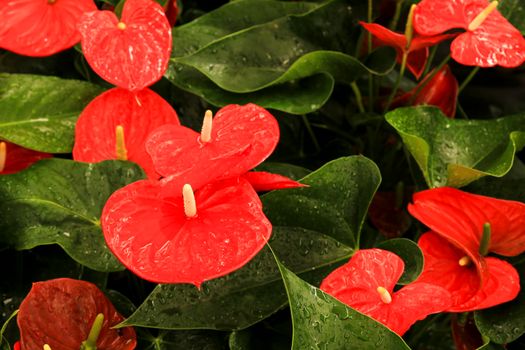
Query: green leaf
(322,322)
(40,112)
(335,203)
(514,10)
(300,53)
(246,296)
(182,340)
(455,152)
(410,253)
(59,201)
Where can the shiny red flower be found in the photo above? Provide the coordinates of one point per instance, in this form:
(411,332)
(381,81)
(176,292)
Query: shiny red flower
(116,124)
(61,313)
(14,158)
(448,267)
(41,27)
(440,91)
(489,39)
(417,51)
(132,53)
(262,181)
(367,283)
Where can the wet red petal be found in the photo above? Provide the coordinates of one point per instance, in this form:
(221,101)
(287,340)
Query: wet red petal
(145,226)
(442,269)
(60,313)
(242,137)
(19,158)
(39,28)
(138,112)
(356,282)
(131,58)
(459,217)
(385,36)
(433,17)
(264,181)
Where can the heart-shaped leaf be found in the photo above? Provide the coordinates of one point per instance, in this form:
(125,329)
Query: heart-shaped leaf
(40,112)
(59,201)
(410,253)
(457,152)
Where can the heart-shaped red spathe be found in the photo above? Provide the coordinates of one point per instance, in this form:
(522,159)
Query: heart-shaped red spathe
(262,181)
(494,42)
(41,27)
(138,113)
(459,217)
(19,158)
(442,268)
(356,284)
(133,53)
(145,226)
(61,312)
(241,138)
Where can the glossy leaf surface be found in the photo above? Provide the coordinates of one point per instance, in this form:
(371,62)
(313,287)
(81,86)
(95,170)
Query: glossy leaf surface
(59,202)
(410,253)
(457,152)
(40,112)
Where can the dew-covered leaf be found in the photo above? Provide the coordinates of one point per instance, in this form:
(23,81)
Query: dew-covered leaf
(456,152)
(59,201)
(40,112)
(410,253)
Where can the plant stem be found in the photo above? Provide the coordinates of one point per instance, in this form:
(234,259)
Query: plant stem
(311,133)
(467,80)
(358,97)
(395,19)
(433,51)
(370,75)
(398,81)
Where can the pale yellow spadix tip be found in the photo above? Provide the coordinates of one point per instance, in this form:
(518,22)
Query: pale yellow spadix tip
(190,207)
(120,143)
(482,16)
(121,25)
(464,261)
(47,347)
(207,126)
(3,155)
(384,295)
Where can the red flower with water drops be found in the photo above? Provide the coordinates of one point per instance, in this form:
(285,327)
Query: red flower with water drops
(489,39)
(166,233)
(367,283)
(63,313)
(263,181)
(440,91)
(116,124)
(450,268)
(14,158)
(41,27)
(132,53)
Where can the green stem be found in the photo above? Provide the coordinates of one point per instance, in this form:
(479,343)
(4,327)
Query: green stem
(467,80)
(91,342)
(370,75)
(485,240)
(358,97)
(397,14)
(311,133)
(398,81)
(433,51)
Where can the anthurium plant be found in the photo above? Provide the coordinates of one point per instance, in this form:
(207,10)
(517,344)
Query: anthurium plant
(262,174)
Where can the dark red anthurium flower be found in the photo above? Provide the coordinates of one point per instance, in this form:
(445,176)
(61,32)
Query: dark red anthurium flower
(61,313)
(115,125)
(387,215)
(132,53)
(172,11)
(14,158)
(41,27)
(262,181)
(441,91)
(367,281)
(449,267)
(166,233)
(238,139)
(417,50)
(489,39)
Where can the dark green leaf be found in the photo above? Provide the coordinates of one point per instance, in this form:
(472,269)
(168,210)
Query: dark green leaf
(410,253)
(40,112)
(59,201)
(246,296)
(182,340)
(514,10)
(294,172)
(322,322)
(335,204)
(455,152)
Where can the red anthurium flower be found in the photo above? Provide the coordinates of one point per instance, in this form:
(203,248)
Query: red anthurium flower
(263,181)
(489,39)
(367,281)
(41,27)
(14,158)
(417,50)
(61,313)
(238,139)
(440,91)
(172,235)
(131,53)
(449,267)
(172,11)
(115,125)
